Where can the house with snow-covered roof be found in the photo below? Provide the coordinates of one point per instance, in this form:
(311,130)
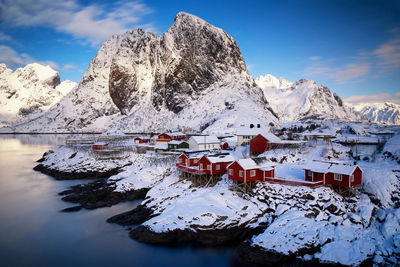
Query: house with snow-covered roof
(250,170)
(168,137)
(263,142)
(142,139)
(175,144)
(245,134)
(215,164)
(202,142)
(344,175)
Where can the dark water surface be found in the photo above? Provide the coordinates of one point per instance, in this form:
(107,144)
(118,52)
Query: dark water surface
(33,231)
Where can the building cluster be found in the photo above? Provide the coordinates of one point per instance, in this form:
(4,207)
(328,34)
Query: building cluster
(205,156)
(247,170)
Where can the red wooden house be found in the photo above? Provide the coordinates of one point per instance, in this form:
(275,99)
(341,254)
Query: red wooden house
(225,146)
(191,159)
(99,146)
(263,142)
(215,164)
(334,174)
(142,139)
(168,137)
(249,170)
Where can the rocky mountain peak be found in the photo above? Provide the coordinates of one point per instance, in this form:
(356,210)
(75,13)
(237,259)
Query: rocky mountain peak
(165,70)
(193,76)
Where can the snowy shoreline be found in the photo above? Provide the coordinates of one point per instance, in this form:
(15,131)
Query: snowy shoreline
(277,223)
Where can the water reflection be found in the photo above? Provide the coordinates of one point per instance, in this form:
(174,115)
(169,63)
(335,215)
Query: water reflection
(34,233)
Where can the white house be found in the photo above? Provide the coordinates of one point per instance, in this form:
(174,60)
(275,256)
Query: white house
(203,142)
(245,134)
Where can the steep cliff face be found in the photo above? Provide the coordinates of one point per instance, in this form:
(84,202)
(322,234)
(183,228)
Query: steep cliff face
(305,99)
(185,61)
(192,76)
(26,92)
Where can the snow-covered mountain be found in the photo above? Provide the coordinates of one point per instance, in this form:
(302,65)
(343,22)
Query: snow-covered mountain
(270,81)
(304,99)
(193,76)
(386,113)
(26,92)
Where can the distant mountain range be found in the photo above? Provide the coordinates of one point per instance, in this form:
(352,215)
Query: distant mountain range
(304,99)
(27,92)
(385,113)
(191,77)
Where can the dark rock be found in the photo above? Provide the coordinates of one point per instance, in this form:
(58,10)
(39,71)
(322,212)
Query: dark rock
(308,197)
(331,208)
(224,236)
(98,194)
(138,215)
(262,257)
(71,209)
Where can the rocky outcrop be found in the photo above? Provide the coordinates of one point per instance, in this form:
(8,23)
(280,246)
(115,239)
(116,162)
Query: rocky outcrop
(138,215)
(224,236)
(98,194)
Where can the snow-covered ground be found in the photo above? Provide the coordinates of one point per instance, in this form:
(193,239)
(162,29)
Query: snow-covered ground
(312,224)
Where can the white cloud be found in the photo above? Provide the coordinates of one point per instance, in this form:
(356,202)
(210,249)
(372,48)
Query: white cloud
(349,72)
(342,74)
(375,98)
(4,37)
(68,67)
(388,53)
(314,58)
(12,59)
(92,23)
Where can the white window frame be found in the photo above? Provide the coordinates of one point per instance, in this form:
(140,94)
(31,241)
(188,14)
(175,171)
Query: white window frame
(309,173)
(201,166)
(209,167)
(230,171)
(352,178)
(338,177)
(195,161)
(217,167)
(240,173)
(252,173)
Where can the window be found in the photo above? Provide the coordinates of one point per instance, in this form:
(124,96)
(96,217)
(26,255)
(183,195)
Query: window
(195,161)
(337,177)
(217,167)
(309,173)
(240,173)
(253,173)
(201,166)
(230,171)
(180,160)
(209,167)
(352,178)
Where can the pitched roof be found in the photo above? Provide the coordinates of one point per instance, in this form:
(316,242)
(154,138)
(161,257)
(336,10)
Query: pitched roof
(271,137)
(221,158)
(250,131)
(208,139)
(175,142)
(325,167)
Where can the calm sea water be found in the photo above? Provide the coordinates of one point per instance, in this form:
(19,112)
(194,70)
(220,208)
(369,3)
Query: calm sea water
(33,231)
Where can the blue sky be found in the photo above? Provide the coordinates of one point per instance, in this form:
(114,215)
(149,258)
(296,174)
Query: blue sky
(353,47)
